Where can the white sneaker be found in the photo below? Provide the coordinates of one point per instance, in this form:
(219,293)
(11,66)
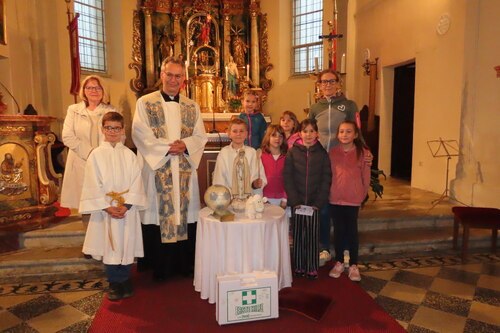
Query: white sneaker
(324,256)
(336,270)
(354,273)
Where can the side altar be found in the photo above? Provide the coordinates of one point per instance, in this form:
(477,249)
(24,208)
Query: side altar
(28,183)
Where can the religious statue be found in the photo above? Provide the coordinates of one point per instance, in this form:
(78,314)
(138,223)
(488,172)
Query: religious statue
(239,50)
(11,176)
(241,182)
(232,76)
(204,37)
(165,45)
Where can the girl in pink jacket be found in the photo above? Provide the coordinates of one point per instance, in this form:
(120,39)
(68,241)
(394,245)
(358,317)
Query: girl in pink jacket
(350,183)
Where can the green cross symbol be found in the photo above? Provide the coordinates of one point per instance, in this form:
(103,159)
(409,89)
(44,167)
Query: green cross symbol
(249,297)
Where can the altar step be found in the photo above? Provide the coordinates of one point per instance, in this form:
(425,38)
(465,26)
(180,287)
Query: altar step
(56,250)
(48,253)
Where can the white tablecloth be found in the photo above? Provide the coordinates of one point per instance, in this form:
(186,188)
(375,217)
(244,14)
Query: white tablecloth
(241,246)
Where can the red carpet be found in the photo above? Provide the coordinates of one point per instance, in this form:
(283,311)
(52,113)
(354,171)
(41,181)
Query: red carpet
(174,306)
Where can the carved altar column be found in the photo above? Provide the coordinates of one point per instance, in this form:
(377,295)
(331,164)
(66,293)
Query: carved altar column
(254,43)
(150,57)
(177,28)
(227,38)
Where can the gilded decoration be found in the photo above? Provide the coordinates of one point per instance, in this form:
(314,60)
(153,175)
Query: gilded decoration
(28,183)
(224,44)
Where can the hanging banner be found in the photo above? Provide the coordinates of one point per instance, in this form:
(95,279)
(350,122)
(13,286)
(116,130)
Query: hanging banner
(75,55)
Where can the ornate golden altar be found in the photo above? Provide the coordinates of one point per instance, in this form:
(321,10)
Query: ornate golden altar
(223,43)
(28,183)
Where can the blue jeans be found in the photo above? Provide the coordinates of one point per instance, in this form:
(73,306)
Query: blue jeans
(117,273)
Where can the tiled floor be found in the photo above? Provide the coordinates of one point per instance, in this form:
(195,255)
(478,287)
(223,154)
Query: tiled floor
(425,294)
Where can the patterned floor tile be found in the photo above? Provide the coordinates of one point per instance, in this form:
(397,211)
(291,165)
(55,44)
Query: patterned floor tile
(81,326)
(458,275)
(429,271)
(36,307)
(66,316)
(383,275)
(70,297)
(89,305)
(450,304)
(8,320)
(10,301)
(488,296)
(403,292)
(484,312)
(472,268)
(397,309)
(417,329)
(372,284)
(438,321)
(452,288)
(492,269)
(21,328)
(413,279)
(474,326)
(489,282)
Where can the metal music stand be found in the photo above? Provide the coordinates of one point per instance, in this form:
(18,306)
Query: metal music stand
(448,149)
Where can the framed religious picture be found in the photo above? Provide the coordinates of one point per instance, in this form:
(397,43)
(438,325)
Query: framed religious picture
(3,32)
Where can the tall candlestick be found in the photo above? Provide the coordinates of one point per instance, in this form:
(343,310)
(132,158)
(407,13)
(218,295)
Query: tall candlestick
(342,64)
(187,73)
(227,76)
(248,72)
(316,65)
(308,99)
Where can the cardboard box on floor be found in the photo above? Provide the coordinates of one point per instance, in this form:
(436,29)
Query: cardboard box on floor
(247,297)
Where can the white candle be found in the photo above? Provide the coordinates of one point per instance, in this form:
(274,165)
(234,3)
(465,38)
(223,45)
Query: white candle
(342,64)
(227,76)
(195,68)
(308,99)
(187,74)
(316,65)
(248,72)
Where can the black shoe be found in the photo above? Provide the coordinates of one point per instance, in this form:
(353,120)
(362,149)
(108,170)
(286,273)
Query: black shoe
(128,290)
(115,292)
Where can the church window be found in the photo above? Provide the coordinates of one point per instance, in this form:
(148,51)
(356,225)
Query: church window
(91,35)
(307,48)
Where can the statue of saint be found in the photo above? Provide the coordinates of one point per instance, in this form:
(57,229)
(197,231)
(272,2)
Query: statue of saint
(232,76)
(239,50)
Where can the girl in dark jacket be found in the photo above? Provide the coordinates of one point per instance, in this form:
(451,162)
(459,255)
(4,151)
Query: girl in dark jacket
(307,176)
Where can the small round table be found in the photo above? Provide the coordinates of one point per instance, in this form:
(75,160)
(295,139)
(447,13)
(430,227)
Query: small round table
(241,246)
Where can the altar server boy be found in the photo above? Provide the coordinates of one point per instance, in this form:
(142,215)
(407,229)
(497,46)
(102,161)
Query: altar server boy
(238,166)
(113,193)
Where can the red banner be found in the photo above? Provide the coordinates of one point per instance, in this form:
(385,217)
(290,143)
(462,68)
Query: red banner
(75,55)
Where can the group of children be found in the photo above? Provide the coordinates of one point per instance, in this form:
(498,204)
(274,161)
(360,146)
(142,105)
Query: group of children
(292,169)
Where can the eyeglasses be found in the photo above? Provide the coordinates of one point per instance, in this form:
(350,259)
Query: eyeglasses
(327,82)
(112,129)
(171,76)
(96,88)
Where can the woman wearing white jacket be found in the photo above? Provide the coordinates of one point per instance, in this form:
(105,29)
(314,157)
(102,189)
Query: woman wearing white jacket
(81,134)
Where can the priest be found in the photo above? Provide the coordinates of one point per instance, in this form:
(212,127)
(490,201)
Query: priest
(170,137)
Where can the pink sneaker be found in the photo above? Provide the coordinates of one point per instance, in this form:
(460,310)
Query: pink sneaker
(336,270)
(354,273)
